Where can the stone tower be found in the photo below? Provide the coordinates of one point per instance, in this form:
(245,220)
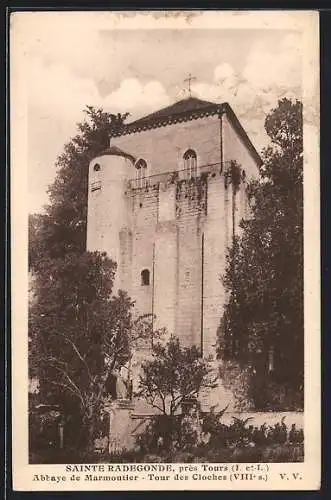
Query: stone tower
(161,206)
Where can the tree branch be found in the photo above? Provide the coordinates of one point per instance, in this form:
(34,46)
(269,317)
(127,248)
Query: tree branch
(163,400)
(77,390)
(73,345)
(59,384)
(151,401)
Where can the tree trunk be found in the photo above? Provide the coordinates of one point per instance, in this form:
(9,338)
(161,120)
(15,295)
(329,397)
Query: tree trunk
(90,430)
(91,420)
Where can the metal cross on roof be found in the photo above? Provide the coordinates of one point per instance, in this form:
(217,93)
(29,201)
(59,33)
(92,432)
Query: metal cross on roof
(189,79)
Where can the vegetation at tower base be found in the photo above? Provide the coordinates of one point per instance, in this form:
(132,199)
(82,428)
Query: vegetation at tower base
(73,315)
(173,375)
(211,440)
(261,329)
(62,228)
(170,382)
(80,334)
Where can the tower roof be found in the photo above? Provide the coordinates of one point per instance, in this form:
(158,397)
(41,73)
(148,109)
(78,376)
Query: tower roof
(115,151)
(184,110)
(189,105)
(187,109)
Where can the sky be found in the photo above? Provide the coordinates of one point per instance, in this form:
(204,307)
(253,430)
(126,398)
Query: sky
(142,70)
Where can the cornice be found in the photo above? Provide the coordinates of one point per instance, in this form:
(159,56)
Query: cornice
(215,109)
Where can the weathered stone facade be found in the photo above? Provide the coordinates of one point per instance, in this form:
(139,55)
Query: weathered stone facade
(168,230)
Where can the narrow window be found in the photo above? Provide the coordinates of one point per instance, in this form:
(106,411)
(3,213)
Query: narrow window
(145,277)
(96,183)
(190,163)
(141,169)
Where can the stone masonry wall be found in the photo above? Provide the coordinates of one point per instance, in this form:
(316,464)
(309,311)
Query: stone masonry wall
(178,231)
(183,247)
(191,203)
(144,219)
(235,149)
(163,148)
(216,229)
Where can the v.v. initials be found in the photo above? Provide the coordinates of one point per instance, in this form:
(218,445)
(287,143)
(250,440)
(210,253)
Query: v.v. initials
(294,475)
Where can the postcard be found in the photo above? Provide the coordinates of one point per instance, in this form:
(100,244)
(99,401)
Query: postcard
(165,250)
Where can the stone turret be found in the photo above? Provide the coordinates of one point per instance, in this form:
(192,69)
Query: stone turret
(108,212)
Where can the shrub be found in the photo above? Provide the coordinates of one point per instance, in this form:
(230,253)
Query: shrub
(162,432)
(167,432)
(239,441)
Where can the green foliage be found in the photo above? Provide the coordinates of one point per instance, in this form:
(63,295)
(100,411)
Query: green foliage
(233,175)
(235,442)
(167,438)
(78,331)
(62,228)
(241,432)
(160,433)
(43,428)
(263,318)
(172,375)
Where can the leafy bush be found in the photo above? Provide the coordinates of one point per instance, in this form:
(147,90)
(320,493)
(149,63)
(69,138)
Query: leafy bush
(43,428)
(162,432)
(170,439)
(167,433)
(239,441)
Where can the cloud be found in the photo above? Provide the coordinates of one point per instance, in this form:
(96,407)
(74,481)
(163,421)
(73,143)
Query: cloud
(223,71)
(135,97)
(55,90)
(56,99)
(72,64)
(62,39)
(267,76)
(279,68)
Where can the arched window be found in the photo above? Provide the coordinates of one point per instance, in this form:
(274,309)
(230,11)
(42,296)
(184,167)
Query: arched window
(141,169)
(190,163)
(145,277)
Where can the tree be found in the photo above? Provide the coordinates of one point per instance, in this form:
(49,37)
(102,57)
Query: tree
(79,332)
(68,316)
(173,375)
(62,228)
(36,247)
(262,323)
